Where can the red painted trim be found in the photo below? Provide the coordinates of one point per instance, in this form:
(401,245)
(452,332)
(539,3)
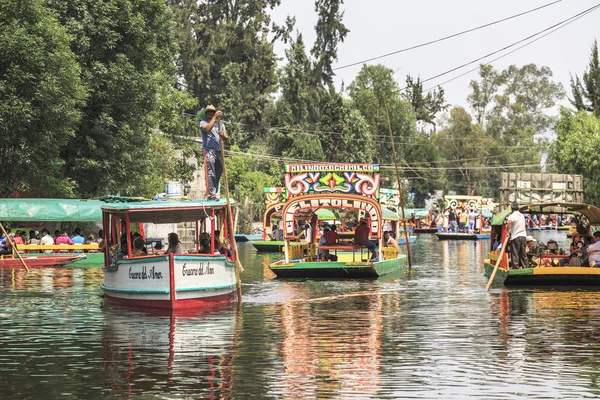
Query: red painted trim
(184,304)
(106,228)
(128,233)
(212,232)
(173,293)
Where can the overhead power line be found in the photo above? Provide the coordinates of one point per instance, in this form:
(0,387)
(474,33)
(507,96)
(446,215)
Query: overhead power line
(556,26)
(446,37)
(573,19)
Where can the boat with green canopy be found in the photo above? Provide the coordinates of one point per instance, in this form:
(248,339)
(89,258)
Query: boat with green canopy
(42,210)
(310,187)
(546,268)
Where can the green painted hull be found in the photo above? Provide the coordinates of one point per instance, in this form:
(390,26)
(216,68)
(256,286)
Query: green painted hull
(339,270)
(566,276)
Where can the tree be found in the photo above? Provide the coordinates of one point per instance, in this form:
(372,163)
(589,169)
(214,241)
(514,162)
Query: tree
(425,107)
(464,144)
(586,94)
(576,149)
(127,54)
(373,85)
(40,96)
(330,32)
(226,57)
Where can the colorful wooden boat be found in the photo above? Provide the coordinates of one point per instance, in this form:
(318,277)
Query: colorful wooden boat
(50,261)
(462,236)
(547,271)
(171,281)
(346,187)
(40,210)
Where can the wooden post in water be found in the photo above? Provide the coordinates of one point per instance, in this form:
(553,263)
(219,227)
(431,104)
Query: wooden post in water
(14,247)
(238,265)
(387,113)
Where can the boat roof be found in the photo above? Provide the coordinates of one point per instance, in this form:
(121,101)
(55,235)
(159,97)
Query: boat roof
(50,210)
(389,215)
(160,212)
(592,213)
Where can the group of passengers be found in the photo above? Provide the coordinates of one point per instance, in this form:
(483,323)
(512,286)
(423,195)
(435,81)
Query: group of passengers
(463,220)
(43,237)
(536,221)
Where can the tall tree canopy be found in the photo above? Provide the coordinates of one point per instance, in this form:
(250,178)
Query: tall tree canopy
(40,96)
(127,52)
(586,94)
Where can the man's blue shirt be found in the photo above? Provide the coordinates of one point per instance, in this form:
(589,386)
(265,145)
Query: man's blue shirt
(211,140)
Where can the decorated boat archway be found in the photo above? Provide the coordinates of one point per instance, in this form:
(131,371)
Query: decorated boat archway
(310,188)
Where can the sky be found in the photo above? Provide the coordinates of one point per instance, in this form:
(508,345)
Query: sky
(382,26)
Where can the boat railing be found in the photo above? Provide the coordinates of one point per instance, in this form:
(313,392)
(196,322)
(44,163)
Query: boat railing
(59,248)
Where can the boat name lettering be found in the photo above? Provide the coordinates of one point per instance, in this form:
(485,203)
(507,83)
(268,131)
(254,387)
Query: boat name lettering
(145,273)
(202,269)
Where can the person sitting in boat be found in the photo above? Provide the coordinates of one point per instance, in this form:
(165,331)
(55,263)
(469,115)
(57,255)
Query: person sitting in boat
(4,244)
(323,254)
(34,237)
(389,240)
(576,252)
(305,234)
(100,237)
(204,247)
(46,239)
(77,238)
(361,237)
(138,249)
(332,236)
(593,250)
(63,239)
(175,247)
(497,243)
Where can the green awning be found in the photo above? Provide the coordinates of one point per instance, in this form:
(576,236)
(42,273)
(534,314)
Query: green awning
(50,210)
(325,214)
(388,214)
(498,218)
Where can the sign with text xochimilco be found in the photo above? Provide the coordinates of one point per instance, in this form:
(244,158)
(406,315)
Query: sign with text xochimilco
(357,179)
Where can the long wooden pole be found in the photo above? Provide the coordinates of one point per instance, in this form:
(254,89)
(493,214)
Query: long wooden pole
(14,247)
(238,265)
(387,113)
(502,251)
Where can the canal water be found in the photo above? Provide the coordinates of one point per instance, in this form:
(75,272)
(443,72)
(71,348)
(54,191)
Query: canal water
(433,333)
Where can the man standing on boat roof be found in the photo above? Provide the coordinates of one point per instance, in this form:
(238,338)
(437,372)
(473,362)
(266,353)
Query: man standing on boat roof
(518,234)
(212,130)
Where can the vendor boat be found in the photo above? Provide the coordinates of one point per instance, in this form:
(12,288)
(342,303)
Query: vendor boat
(346,187)
(547,270)
(462,236)
(169,281)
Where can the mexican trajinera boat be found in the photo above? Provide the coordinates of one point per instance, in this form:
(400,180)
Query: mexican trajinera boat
(545,268)
(344,187)
(170,281)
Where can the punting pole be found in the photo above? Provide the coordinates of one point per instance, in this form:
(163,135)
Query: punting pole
(238,265)
(493,275)
(14,247)
(387,113)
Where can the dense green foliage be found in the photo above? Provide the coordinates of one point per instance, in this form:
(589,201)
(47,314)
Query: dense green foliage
(40,98)
(100,98)
(576,149)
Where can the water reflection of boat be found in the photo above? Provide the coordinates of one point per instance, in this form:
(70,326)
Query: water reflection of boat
(318,361)
(179,352)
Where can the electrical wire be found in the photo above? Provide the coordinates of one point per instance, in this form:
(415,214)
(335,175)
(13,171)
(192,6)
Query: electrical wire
(446,37)
(560,25)
(512,51)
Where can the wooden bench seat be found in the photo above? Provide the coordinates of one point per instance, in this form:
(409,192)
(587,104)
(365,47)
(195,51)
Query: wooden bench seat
(59,248)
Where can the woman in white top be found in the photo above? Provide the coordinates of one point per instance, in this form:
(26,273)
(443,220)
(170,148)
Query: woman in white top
(174,244)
